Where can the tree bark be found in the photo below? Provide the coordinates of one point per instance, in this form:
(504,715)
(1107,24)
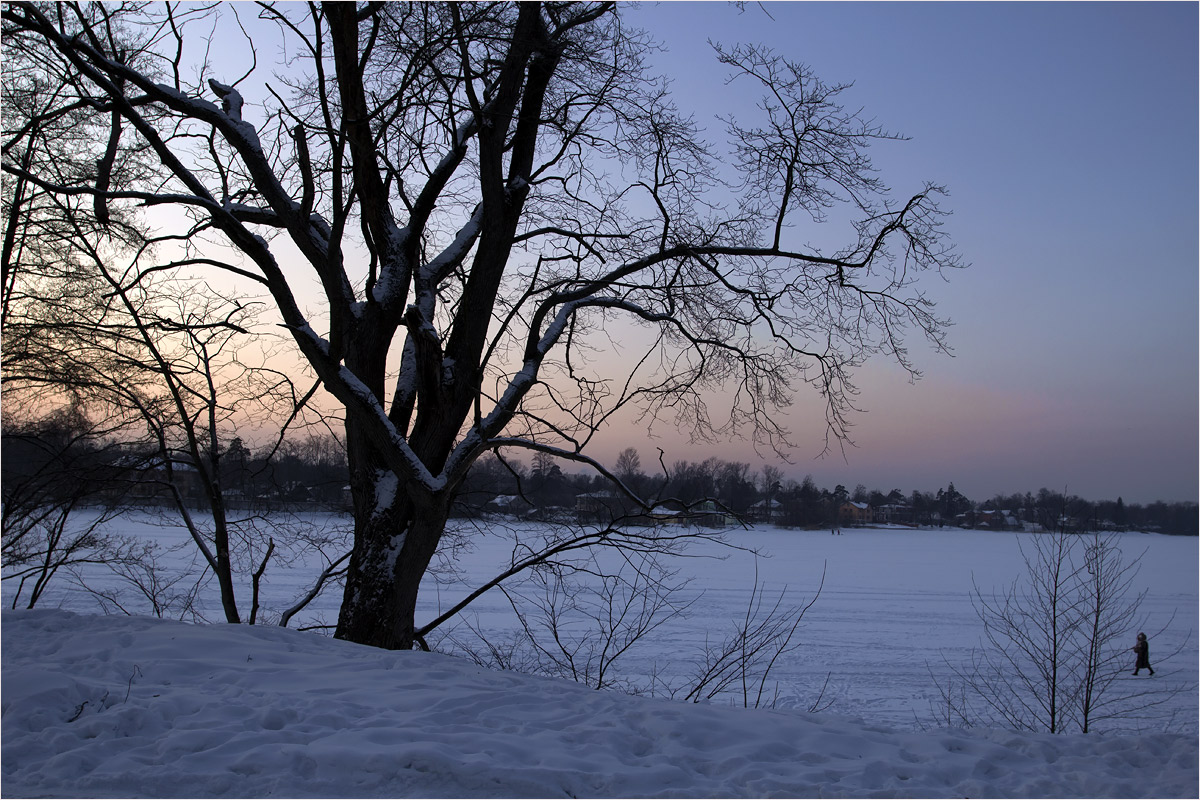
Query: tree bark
(224,561)
(397,528)
(392,550)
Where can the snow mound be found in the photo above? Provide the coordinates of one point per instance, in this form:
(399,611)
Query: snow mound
(137,707)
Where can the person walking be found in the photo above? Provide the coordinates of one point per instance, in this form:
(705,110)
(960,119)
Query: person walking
(1142,648)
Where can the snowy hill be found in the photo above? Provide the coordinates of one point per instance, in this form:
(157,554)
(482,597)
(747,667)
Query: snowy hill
(137,707)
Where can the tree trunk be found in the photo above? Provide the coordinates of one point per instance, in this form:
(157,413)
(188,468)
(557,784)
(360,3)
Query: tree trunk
(396,532)
(392,550)
(224,565)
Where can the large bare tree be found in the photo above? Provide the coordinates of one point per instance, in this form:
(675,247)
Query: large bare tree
(489,195)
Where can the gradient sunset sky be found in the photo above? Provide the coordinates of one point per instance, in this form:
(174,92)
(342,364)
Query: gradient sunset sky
(1067,136)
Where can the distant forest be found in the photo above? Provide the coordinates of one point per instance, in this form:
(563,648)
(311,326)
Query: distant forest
(56,461)
(766,495)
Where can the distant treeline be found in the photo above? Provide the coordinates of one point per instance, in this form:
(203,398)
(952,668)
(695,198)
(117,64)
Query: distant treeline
(310,471)
(766,495)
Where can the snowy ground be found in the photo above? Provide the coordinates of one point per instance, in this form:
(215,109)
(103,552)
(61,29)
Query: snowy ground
(895,607)
(98,706)
(138,707)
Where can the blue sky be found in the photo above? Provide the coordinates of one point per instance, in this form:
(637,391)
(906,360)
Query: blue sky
(1067,136)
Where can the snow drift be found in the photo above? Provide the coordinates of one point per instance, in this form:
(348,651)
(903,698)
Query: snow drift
(138,707)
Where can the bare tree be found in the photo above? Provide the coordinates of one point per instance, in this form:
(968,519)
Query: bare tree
(582,614)
(741,664)
(167,592)
(1056,642)
(564,550)
(56,499)
(629,464)
(91,313)
(1025,674)
(1110,612)
(50,131)
(177,361)
(484,192)
(584,635)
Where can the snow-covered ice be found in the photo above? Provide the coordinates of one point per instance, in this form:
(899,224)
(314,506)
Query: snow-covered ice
(120,706)
(138,707)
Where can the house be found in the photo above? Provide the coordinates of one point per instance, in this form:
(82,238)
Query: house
(601,505)
(508,504)
(662,515)
(989,519)
(768,510)
(705,514)
(1066,523)
(994,520)
(710,515)
(150,481)
(852,513)
(895,514)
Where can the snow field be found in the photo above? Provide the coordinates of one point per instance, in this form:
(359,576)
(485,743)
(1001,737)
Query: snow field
(895,607)
(138,707)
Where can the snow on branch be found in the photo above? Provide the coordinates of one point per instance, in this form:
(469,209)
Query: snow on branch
(405,461)
(454,254)
(231,99)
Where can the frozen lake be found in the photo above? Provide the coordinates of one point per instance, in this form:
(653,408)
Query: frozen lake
(895,605)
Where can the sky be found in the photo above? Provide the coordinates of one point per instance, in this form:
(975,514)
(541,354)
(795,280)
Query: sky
(1066,134)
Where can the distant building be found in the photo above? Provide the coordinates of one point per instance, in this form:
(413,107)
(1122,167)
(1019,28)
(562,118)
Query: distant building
(662,515)
(710,515)
(509,504)
(150,480)
(894,514)
(601,505)
(852,513)
(990,520)
(767,510)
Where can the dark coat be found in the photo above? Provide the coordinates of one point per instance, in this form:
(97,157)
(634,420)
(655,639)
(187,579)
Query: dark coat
(1142,648)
